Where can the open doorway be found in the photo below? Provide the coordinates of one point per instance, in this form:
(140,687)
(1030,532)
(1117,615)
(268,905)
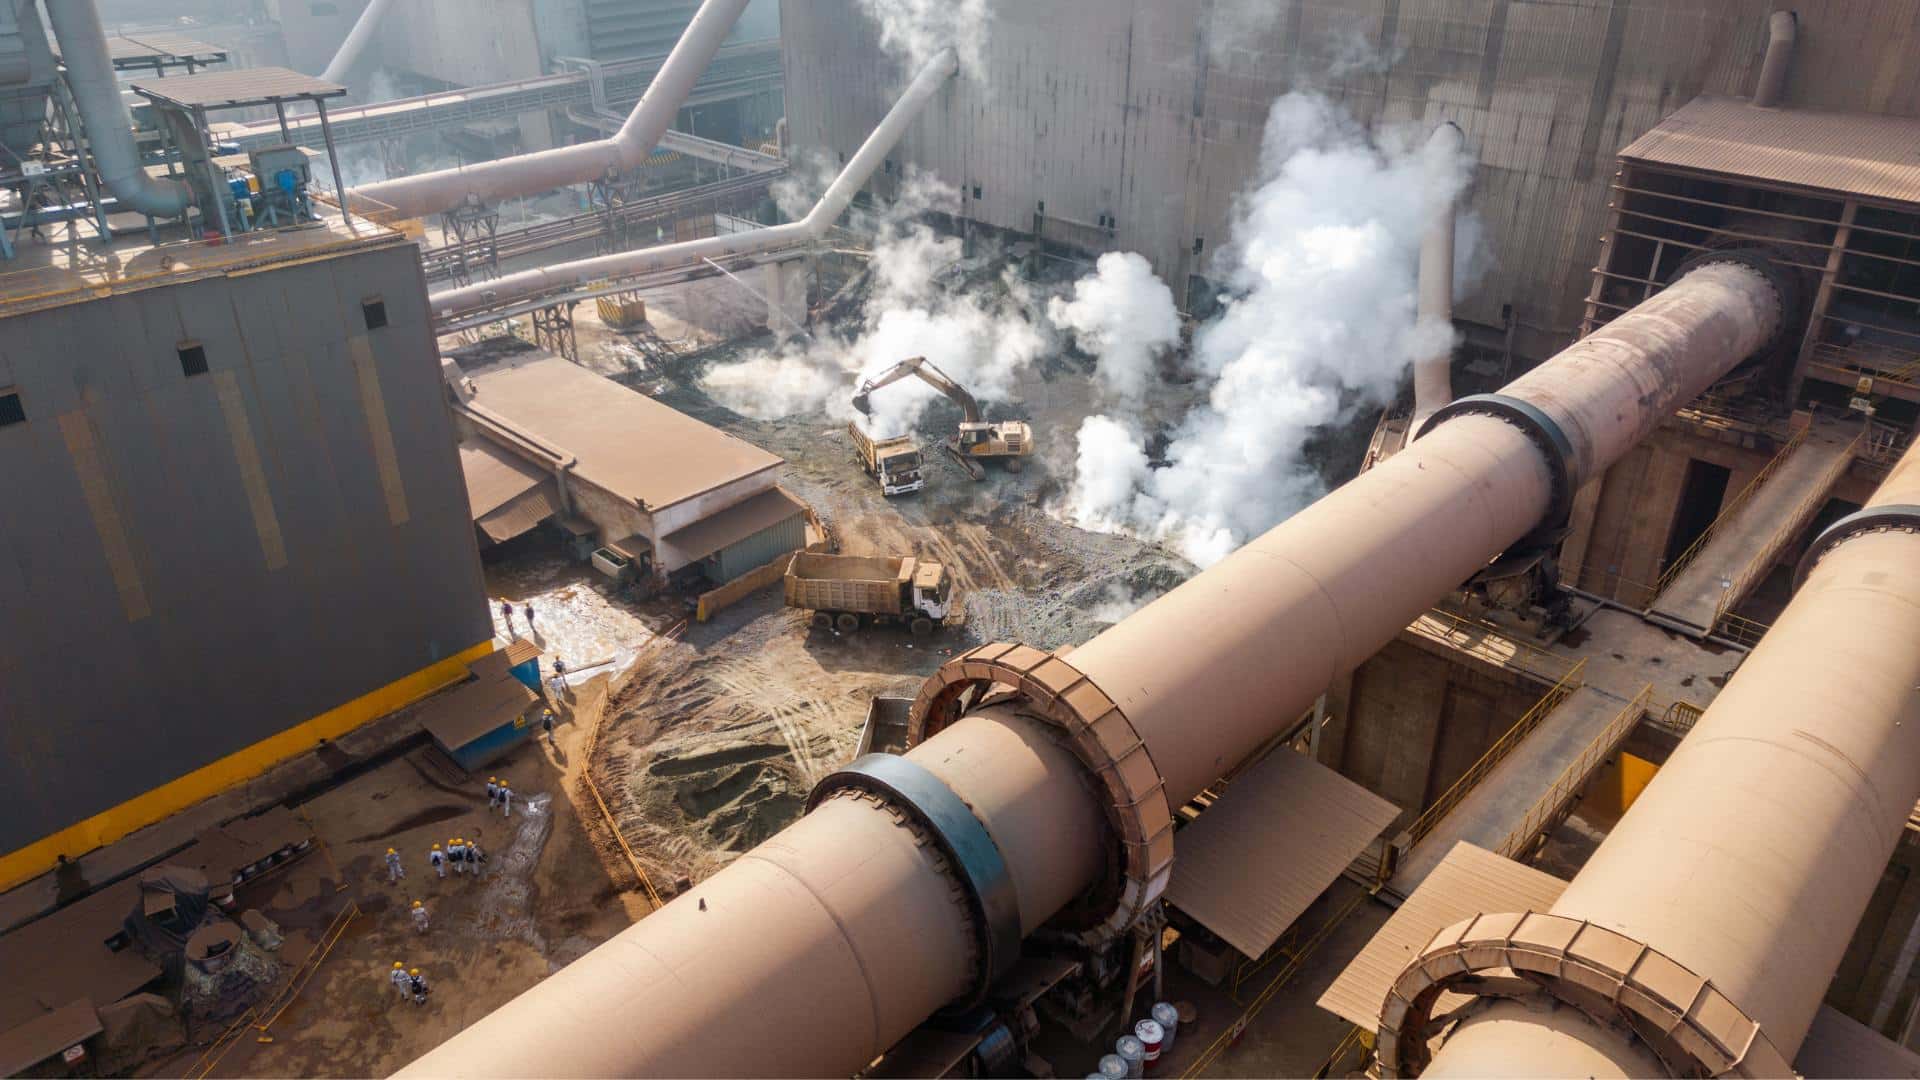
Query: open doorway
(1700,498)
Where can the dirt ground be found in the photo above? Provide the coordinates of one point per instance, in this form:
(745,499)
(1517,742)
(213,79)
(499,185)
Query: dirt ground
(547,895)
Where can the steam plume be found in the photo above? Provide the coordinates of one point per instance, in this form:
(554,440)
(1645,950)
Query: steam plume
(914,30)
(1125,317)
(1320,323)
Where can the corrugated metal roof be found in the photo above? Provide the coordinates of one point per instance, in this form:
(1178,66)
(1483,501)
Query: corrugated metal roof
(1257,858)
(734,524)
(1854,153)
(245,86)
(1839,1046)
(1469,881)
(68,953)
(627,443)
(527,510)
(46,1035)
(495,475)
(473,709)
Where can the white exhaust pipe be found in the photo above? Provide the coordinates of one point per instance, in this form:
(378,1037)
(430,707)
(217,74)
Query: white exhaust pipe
(529,174)
(1433,373)
(96,93)
(349,52)
(528,284)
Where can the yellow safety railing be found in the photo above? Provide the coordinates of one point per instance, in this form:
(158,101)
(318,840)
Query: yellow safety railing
(1731,508)
(1491,644)
(1357,1038)
(1678,717)
(1297,958)
(283,997)
(1566,787)
(1571,681)
(1739,629)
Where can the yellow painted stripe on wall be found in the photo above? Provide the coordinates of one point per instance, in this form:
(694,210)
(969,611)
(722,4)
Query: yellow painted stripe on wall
(241,765)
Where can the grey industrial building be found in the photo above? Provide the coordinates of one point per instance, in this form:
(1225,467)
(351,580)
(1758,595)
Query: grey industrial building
(1136,130)
(233,506)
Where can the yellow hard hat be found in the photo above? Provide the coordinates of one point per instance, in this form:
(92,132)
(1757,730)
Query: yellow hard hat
(397,965)
(390,851)
(436,847)
(416,903)
(415,971)
(493,779)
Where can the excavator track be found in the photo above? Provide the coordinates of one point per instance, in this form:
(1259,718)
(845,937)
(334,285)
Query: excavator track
(974,468)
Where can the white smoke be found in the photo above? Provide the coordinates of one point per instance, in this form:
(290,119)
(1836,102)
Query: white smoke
(982,337)
(916,30)
(1321,322)
(1124,316)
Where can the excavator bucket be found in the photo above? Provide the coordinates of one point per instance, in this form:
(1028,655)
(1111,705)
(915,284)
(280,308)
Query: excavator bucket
(860,402)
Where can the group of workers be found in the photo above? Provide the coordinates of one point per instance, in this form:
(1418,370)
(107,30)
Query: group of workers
(409,982)
(464,854)
(559,677)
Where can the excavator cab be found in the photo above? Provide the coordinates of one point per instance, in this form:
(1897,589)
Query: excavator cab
(974,436)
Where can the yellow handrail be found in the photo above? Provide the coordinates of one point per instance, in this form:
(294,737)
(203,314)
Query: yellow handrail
(1462,633)
(1424,824)
(1566,787)
(1729,509)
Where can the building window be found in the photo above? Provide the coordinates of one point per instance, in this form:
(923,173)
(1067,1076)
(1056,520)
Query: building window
(193,358)
(1198,243)
(889,169)
(11,410)
(976,191)
(374,310)
(1042,211)
(322,8)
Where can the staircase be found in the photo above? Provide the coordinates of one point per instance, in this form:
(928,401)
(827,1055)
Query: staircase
(1742,544)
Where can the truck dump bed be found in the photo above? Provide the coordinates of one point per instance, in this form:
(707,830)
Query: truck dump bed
(859,583)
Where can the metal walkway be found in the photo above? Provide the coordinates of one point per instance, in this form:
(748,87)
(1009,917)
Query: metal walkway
(1755,526)
(737,70)
(1526,791)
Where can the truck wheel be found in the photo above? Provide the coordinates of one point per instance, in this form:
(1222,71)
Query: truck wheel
(823,620)
(921,627)
(847,622)
(1015,464)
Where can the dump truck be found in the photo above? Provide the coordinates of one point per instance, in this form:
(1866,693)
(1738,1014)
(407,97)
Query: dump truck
(848,591)
(1009,442)
(894,462)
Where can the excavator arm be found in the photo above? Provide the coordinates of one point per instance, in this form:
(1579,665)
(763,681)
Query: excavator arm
(928,374)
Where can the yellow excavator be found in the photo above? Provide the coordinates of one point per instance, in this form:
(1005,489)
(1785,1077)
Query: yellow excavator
(1007,441)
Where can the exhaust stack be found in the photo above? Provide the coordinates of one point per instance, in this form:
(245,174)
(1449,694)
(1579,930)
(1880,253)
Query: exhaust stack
(529,284)
(545,170)
(1783,31)
(1433,374)
(356,43)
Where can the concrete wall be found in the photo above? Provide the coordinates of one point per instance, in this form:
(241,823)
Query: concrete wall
(1408,723)
(1152,110)
(190,565)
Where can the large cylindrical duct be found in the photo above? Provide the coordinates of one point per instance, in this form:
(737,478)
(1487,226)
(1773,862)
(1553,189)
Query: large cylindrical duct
(816,950)
(529,174)
(96,93)
(350,50)
(1433,371)
(1783,30)
(1753,853)
(529,284)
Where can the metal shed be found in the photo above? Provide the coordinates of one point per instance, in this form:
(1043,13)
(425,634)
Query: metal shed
(481,721)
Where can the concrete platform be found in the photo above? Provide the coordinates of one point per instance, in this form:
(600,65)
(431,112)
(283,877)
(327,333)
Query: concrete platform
(1745,544)
(1501,800)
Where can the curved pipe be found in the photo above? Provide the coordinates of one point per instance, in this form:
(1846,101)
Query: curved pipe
(96,93)
(817,950)
(1754,851)
(527,284)
(1783,30)
(528,174)
(356,43)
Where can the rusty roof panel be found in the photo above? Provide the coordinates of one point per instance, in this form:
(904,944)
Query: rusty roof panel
(1257,858)
(627,443)
(45,1035)
(1875,157)
(495,475)
(725,528)
(525,511)
(1469,881)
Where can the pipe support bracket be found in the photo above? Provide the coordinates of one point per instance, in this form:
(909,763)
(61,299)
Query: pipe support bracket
(961,836)
(1904,516)
(1058,694)
(1694,1028)
(1543,432)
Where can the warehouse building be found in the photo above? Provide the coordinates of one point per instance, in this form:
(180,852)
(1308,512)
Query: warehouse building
(666,496)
